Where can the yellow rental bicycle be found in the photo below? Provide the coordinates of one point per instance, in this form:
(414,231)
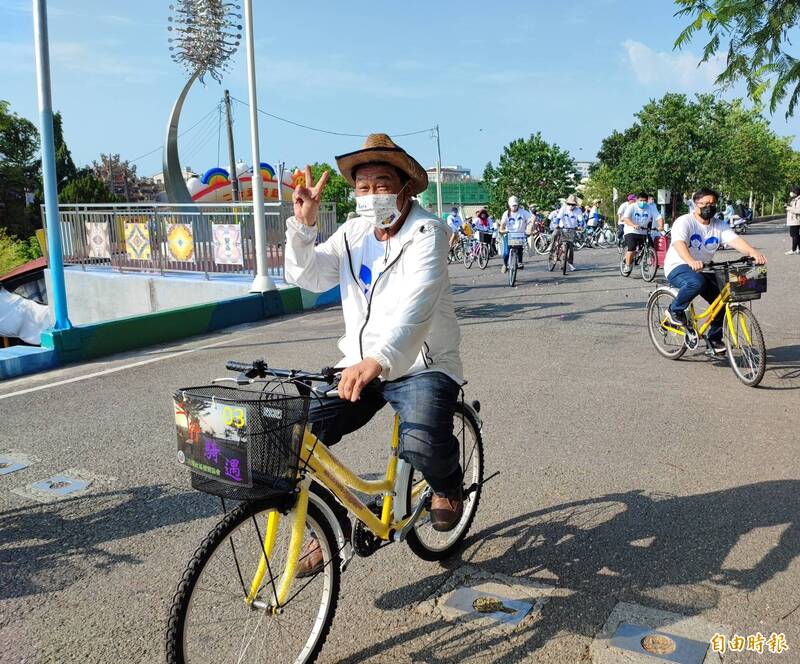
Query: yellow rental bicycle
(240,598)
(740,281)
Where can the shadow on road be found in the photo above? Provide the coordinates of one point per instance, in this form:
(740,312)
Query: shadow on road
(783,364)
(667,552)
(46,548)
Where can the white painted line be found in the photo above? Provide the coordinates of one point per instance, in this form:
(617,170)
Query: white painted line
(140,363)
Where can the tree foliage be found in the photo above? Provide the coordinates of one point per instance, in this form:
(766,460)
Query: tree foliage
(19,172)
(533,170)
(86,188)
(336,191)
(758,32)
(681,144)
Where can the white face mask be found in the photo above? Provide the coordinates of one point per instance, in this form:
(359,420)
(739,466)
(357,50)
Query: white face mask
(379,209)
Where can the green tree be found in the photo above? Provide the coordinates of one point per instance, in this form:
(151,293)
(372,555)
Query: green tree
(610,152)
(537,172)
(336,191)
(86,188)
(19,172)
(601,185)
(758,34)
(14,251)
(65,167)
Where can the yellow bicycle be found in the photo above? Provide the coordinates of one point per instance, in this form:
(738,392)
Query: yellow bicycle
(740,281)
(240,598)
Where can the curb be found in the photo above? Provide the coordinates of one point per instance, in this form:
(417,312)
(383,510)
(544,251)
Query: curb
(88,342)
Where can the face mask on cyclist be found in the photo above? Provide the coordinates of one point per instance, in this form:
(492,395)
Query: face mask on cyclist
(379,209)
(708,212)
(642,204)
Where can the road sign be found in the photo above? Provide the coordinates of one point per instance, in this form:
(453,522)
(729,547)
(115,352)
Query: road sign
(664,196)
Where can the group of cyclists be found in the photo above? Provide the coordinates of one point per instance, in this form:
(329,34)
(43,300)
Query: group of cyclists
(518,222)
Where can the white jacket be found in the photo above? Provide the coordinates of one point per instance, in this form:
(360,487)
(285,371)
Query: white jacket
(408,321)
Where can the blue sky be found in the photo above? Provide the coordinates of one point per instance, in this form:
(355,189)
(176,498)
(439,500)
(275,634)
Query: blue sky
(487,73)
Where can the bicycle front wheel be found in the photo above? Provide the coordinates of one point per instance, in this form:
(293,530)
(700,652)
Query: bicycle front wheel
(424,541)
(669,344)
(649,264)
(747,352)
(483,256)
(512,267)
(469,258)
(211,622)
(541,244)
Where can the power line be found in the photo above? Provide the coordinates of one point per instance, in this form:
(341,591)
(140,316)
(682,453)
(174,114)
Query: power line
(186,131)
(325,131)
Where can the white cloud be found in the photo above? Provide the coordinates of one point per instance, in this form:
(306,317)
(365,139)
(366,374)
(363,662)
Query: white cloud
(674,71)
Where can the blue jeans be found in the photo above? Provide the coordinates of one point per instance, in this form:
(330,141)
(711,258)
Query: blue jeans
(426,404)
(690,284)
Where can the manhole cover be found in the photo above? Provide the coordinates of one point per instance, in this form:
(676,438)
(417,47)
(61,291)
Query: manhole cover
(646,641)
(466,602)
(60,485)
(12,464)
(656,644)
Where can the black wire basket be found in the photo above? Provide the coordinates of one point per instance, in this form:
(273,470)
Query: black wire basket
(240,444)
(747,282)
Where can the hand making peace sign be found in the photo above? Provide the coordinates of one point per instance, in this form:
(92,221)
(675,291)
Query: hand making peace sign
(306,198)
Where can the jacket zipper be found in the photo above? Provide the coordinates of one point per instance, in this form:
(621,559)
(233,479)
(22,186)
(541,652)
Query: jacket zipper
(371,292)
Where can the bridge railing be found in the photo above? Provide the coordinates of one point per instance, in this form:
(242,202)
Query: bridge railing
(164,237)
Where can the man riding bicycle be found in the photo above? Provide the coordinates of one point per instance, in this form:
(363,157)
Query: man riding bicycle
(456,225)
(514,220)
(400,324)
(569,217)
(695,238)
(638,218)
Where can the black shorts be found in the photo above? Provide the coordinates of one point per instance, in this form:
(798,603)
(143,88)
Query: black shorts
(633,241)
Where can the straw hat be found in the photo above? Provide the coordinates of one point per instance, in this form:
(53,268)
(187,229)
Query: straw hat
(382,149)
(571,200)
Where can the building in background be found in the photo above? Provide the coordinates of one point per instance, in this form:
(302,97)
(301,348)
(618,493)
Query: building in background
(458,189)
(121,178)
(450,174)
(583,168)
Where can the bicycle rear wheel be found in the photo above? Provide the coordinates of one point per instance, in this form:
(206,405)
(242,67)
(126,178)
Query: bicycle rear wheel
(747,352)
(483,256)
(649,264)
(424,541)
(210,621)
(669,344)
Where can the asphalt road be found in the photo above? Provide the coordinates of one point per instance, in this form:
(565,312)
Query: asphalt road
(624,477)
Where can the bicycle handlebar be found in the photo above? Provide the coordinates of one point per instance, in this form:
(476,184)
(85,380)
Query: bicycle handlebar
(744,260)
(260,369)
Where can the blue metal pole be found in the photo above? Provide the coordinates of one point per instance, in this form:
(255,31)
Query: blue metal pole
(58,296)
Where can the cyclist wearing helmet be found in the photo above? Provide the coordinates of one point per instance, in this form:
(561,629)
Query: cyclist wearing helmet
(514,220)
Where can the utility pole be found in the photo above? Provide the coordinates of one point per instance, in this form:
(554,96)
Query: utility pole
(262,282)
(58,296)
(438,173)
(281,171)
(231,154)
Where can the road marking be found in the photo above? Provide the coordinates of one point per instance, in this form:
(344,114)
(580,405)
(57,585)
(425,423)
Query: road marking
(140,363)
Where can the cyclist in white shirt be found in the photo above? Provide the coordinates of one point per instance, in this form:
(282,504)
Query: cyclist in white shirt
(456,225)
(570,216)
(636,218)
(621,212)
(695,238)
(514,220)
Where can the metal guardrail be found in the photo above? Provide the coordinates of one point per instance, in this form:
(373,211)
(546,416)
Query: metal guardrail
(164,237)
